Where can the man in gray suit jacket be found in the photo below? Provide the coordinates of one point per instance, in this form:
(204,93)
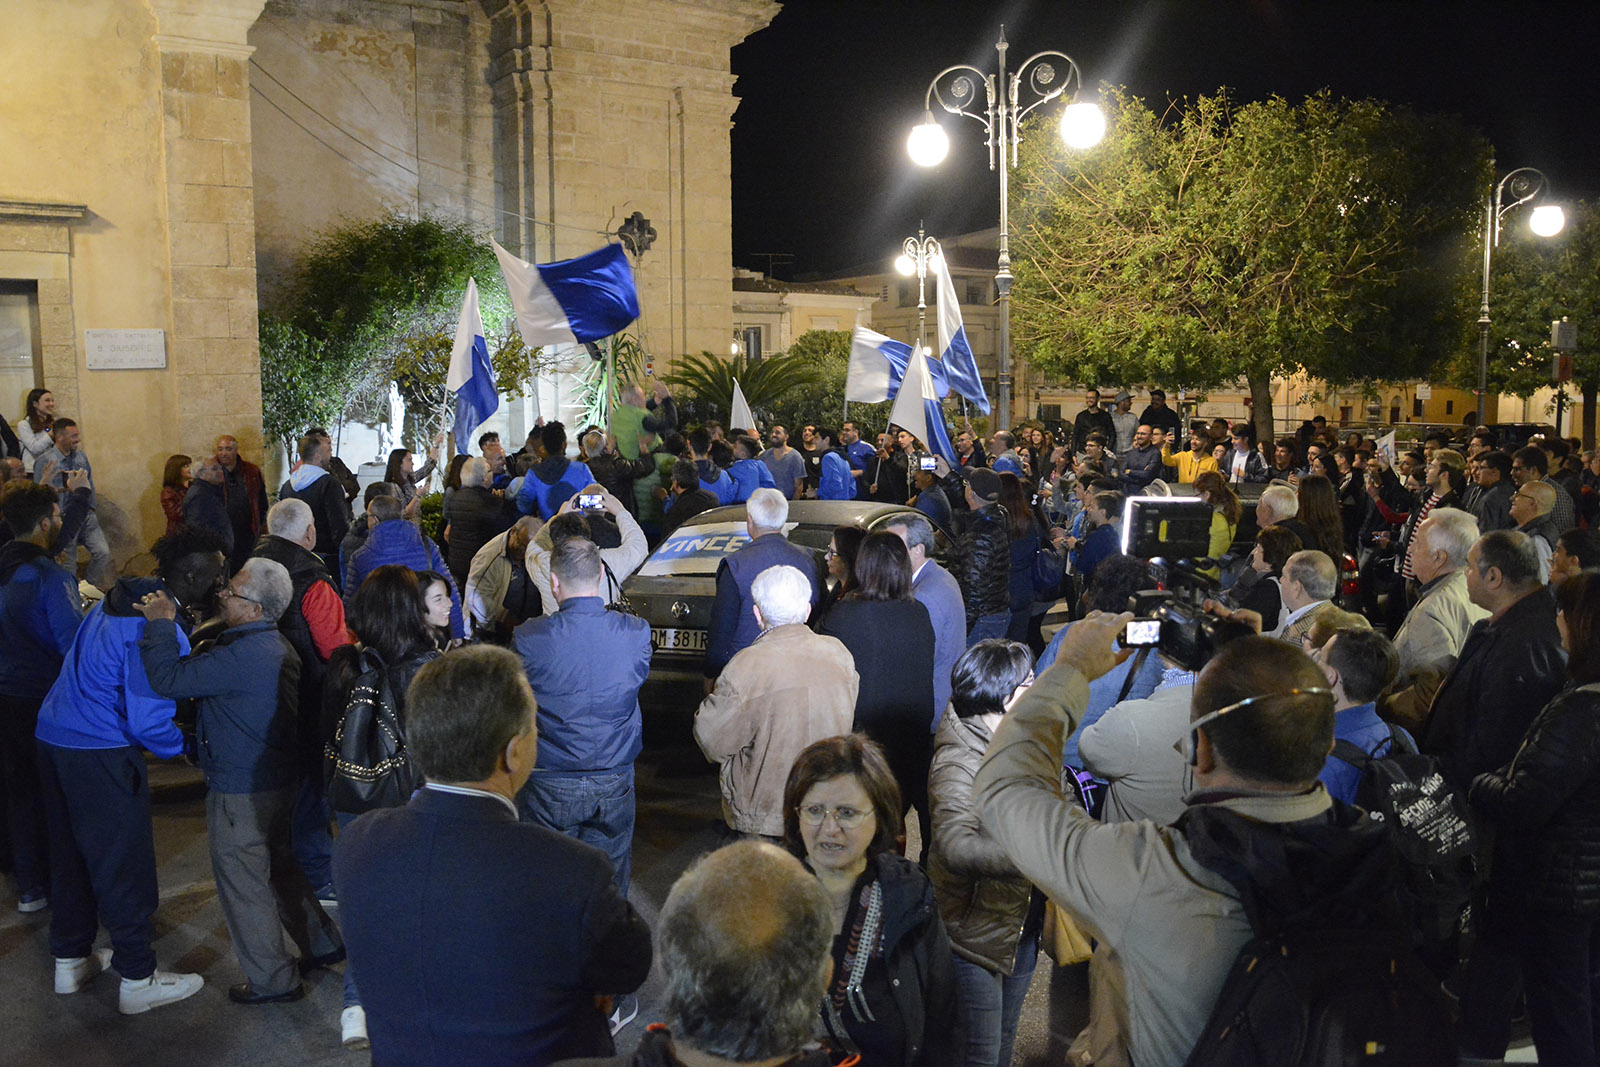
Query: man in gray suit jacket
(937,590)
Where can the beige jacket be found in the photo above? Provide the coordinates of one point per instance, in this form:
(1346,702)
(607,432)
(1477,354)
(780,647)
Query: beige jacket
(1175,926)
(622,561)
(1428,643)
(788,689)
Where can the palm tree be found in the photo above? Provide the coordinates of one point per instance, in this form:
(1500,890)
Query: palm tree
(710,378)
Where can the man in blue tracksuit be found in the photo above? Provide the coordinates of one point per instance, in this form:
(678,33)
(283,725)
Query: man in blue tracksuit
(555,478)
(748,472)
(585,665)
(247,688)
(98,717)
(713,478)
(393,540)
(40,610)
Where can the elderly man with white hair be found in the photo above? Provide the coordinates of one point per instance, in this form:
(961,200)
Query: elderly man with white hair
(1436,627)
(1309,582)
(789,688)
(314,624)
(1279,505)
(246,686)
(732,625)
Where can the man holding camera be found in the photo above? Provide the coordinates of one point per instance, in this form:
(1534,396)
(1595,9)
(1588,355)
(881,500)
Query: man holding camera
(1261,725)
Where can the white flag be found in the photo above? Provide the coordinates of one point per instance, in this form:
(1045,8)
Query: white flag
(741,419)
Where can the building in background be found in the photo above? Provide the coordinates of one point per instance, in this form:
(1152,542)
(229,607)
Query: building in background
(161,160)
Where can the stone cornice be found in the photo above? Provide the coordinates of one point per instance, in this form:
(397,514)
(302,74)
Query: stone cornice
(219,27)
(40,210)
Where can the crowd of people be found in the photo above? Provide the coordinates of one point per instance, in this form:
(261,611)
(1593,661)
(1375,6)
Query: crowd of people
(419,752)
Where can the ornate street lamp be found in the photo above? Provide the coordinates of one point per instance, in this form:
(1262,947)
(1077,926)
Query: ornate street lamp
(920,255)
(955,88)
(1523,184)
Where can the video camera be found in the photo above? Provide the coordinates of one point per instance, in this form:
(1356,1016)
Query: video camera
(1174,534)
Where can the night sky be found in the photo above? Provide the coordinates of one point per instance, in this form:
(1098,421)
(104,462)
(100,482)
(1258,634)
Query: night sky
(831,88)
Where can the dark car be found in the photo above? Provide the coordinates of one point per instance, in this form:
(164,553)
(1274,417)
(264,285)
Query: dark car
(676,586)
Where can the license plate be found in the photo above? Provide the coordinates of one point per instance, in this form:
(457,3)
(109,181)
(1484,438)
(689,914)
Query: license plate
(678,640)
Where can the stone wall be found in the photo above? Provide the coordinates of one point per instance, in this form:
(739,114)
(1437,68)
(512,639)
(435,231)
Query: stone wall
(546,124)
(125,173)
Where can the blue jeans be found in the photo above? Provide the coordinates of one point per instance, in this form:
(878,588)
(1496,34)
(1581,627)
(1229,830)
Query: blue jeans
(594,808)
(991,1004)
(310,837)
(986,626)
(352,996)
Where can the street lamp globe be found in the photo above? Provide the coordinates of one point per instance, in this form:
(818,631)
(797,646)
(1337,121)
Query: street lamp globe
(928,143)
(1547,220)
(936,261)
(904,265)
(1082,125)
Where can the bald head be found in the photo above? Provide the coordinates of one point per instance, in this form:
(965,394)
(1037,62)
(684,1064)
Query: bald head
(744,941)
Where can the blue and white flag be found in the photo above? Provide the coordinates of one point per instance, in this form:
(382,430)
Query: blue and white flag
(916,409)
(571,301)
(960,367)
(878,365)
(471,375)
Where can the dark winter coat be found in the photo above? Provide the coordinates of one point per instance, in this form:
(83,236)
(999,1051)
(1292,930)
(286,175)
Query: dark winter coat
(1547,806)
(983,564)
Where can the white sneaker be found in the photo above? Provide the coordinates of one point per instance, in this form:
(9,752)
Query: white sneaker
(73,974)
(353,1028)
(162,987)
(624,1011)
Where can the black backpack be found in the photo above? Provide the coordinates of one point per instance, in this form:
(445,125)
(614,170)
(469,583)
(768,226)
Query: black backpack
(1432,831)
(368,764)
(1330,983)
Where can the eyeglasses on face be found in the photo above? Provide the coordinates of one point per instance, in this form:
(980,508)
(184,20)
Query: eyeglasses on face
(847,817)
(230,592)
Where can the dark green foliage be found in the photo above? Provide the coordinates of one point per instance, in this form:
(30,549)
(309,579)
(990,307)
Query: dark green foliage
(1219,243)
(1535,281)
(379,300)
(707,381)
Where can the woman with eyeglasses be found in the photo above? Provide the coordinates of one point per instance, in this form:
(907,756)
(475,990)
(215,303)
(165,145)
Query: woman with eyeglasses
(984,900)
(892,997)
(1544,885)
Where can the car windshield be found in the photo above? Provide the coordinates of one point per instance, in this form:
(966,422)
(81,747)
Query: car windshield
(698,548)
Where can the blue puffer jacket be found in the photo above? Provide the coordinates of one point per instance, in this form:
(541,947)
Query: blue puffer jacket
(551,483)
(248,687)
(399,542)
(102,698)
(586,665)
(39,615)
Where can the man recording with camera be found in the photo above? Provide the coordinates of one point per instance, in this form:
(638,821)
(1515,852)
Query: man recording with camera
(1260,727)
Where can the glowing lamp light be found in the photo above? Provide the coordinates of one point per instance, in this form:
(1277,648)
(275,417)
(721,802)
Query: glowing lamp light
(1547,220)
(928,143)
(1082,125)
(936,262)
(733,349)
(905,265)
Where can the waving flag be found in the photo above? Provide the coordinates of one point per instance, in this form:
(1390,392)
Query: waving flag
(954,351)
(571,301)
(878,365)
(740,418)
(917,410)
(471,375)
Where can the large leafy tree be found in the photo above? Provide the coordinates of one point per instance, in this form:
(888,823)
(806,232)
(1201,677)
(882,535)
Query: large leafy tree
(1536,281)
(377,301)
(1219,242)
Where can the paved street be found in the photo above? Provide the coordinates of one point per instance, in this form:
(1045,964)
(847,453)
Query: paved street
(676,822)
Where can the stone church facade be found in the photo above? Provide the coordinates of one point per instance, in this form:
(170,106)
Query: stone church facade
(162,161)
